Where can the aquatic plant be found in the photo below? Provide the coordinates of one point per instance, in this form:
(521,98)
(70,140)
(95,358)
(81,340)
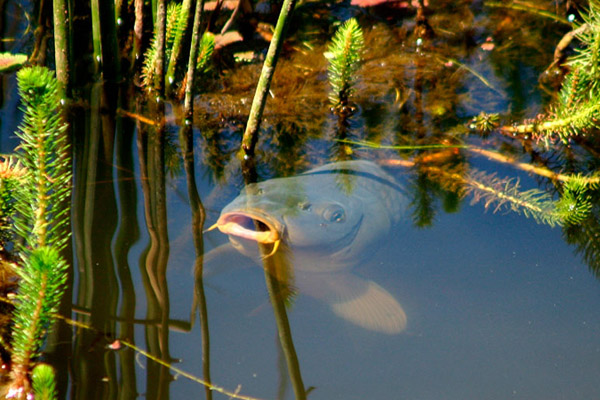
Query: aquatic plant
(205,51)
(345,55)
(184,20)
(11,180)
(250,137)
(577,107)
(42,380)
(40,219)
(43,275)
(175,32)
(43,145)
(190,74)
(152,53)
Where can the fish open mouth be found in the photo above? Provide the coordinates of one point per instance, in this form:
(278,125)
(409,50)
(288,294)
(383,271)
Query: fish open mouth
(252,226)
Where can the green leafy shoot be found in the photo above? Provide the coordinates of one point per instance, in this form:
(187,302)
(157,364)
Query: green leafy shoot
(345,56)
(504,193)
(43,147)
(577,108)
(205,51)
(12,177)
(43,384)
(174,28)
(43,275)
(575,204)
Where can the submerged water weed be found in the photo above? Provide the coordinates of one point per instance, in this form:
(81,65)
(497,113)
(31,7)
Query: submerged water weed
(344,55)
(575,203)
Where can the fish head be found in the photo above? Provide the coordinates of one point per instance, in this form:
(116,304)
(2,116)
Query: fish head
(312,220)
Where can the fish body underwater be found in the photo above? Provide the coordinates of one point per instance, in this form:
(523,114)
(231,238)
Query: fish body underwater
(325,221)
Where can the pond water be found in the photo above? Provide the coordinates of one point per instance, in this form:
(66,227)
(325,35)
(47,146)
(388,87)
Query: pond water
(497,305)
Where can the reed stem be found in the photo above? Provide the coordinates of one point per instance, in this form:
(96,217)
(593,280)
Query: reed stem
(62,48)
(264,83)
(188,104)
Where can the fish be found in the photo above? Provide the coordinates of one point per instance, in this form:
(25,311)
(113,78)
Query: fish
(326,220)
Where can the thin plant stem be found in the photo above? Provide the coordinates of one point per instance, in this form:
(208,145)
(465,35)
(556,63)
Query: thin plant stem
(529,9)
(187,15)
(62,46)
(161,29)
(264,83)
(189,86)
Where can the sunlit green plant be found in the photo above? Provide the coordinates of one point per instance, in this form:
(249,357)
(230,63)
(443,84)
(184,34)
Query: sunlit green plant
(42,380)
(43,275)
(176,25)
(40,220)
(205,51)
(577,108)
(12,175)
(174,29)
(345,56)
(575,203)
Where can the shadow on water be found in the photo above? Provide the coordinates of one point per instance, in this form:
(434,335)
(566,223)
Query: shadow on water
(157,299)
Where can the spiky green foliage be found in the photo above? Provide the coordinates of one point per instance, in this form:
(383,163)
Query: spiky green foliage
(175,69)
(486,123)
(43,275)
(505,193)
(40,219)
(577,108)
(575,204)
(43,382)
(205,51)
(344,55)
(43,147)
(12,175)
(175,28)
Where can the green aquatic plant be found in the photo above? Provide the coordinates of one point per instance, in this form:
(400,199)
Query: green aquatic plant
(43,276)
(40,220)
(12,176)
(42,380)
(345,56)
(43,145)
(506,193)
(185,19)
(173,30)
(207,47)
(575,203)
(577,107)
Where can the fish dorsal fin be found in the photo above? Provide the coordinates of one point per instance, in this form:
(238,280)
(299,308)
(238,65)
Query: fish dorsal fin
(359,301)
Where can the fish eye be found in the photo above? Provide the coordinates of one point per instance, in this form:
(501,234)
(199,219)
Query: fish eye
(334,214)
(305,205)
